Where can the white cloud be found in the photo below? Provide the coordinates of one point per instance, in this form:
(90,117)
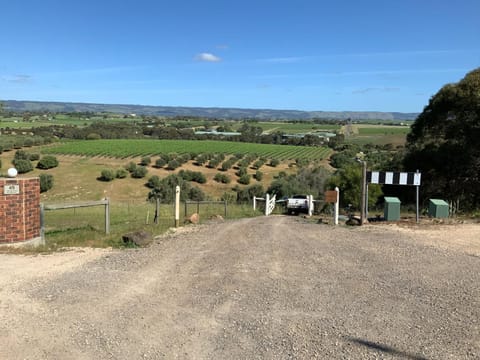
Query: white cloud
(207,57)
(19,79)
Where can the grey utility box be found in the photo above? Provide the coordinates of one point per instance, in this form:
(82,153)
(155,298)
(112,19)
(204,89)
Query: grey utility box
(392,209)
(438,208)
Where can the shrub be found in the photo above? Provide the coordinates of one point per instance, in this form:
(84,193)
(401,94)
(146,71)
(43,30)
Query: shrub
(196,176)
(222,178)
(121,174)
(153,182)
(46,182)
(22,166)
(160,163)
(146,160)
(258,164)
(139,172)
(34,157)
(244,179)
(242,171)
(196,194)
(258,175)
(21,155)
(93,136)
(47,162)
(274,162)
(227,164)
(249,192)
(107,175)
(173,164)
(131,167)
(212,164)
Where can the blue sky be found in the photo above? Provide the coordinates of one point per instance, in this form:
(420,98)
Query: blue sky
(304,54)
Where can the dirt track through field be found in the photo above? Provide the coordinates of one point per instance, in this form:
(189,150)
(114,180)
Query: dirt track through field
(275,288)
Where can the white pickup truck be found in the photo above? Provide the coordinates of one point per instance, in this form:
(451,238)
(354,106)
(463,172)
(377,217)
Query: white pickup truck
(297,204)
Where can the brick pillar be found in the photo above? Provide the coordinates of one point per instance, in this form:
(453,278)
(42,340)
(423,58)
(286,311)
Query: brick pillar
(19,210)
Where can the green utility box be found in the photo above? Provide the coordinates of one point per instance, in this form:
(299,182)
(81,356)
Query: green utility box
(438,208)
(392,209)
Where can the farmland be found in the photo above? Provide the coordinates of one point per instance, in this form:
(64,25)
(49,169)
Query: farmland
(135,148)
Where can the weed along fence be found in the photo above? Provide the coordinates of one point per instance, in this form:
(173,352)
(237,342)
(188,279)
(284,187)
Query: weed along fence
(103,218)
(205,208)
(105,203)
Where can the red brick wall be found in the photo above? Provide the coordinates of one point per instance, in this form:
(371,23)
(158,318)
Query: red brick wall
(20,213)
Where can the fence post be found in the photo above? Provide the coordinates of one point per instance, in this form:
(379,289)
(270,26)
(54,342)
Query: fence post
(225,205)
(42,223)
(310,205)
(157,210)
(254,203)
(336,206)
(177,206)
(107,216)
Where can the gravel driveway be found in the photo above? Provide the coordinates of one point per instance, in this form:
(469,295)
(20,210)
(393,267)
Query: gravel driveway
(263,288)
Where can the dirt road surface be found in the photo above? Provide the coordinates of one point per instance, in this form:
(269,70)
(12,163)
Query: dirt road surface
(263,288)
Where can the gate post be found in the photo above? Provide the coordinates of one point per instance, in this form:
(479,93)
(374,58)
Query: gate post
(267,202)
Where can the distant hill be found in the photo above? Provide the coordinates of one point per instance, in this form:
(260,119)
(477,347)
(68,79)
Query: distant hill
(225,113)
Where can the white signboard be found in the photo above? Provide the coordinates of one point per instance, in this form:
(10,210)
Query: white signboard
(11,189)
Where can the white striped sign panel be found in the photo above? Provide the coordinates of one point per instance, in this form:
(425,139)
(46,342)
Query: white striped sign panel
(394,178)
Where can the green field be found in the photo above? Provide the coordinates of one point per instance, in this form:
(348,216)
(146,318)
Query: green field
(134,148)
(384,130)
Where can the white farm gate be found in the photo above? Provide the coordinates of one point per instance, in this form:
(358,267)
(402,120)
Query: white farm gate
(269,203)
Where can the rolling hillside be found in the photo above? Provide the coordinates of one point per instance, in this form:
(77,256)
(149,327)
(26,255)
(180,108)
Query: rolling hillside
(228,113)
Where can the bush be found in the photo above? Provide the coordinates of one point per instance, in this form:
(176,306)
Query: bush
(274,162)
(160,163)
(107,175)
(153,182)
(212,164)
(242,172)
(139,172)
(244,179)
(145,161)
(47,162)
(21,155)
(46,182)
(258,164)
(93,136)
(249,192)
(34,157)
(222,178)
(173,164)
(131,167)
(258,175)
(121,174)
(196,194)
(22,166)
(227,164)
(196,176)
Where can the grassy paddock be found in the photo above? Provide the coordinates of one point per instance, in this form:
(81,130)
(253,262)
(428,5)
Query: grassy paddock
(85,226)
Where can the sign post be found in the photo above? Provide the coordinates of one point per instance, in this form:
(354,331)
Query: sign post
(333,196)
(398,178)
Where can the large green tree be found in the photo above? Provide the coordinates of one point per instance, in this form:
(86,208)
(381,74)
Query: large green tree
(444,143)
